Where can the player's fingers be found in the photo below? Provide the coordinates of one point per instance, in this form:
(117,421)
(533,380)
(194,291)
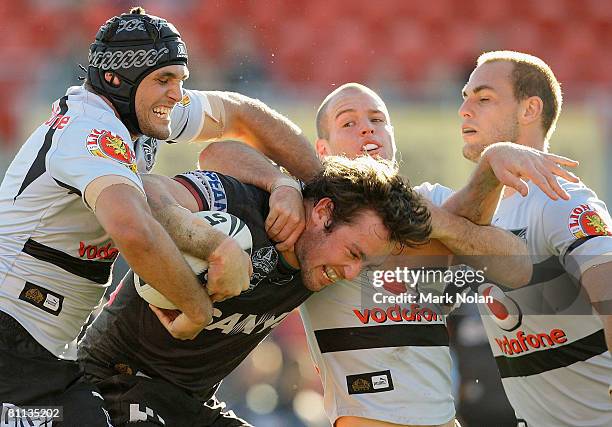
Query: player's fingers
(540,180)
(276,231)
(289,242)
(271,219)
(565,174)
(513,181)
(250,265)
(165,320)
(562,160)
(553,183)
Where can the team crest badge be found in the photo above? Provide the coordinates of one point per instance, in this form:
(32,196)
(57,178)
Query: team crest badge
(185,101)
(104,143)
(585,221)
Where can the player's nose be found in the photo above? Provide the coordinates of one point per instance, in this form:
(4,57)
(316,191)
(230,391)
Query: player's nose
(352,270)
(465,110)
(366,128)
(175,92)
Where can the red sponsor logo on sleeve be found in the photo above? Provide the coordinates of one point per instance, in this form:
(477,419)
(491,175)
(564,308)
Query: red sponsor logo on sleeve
(585,221)
(106,144)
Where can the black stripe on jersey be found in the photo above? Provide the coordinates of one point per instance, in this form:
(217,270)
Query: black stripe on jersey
(553,358)
(576,244)
(96,271)
(71,189)
(546,270)
(38,166)
(343,339)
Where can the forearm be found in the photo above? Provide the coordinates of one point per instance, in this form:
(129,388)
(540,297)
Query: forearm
(596,281)
(242,162)
(149,250)
(502,255)
(172,205)
(478,200)
(271,133)
(161,265)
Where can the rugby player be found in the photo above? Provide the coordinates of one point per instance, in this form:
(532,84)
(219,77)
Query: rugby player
(357,212)
(353,350)
(549,338)
(73,197)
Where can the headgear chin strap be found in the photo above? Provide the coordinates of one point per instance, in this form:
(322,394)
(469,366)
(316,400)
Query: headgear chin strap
(132,46)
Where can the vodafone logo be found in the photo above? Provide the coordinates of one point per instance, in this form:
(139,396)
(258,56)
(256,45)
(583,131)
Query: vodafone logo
(397,313)
(525,342)
(503,309)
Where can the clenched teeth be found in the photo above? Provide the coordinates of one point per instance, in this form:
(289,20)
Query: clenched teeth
(330,273)
(162,112)
(369,147)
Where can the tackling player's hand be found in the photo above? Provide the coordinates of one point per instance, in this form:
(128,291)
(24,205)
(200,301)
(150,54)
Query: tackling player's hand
(286,220)
(229,271)
(514,163)
(178,324)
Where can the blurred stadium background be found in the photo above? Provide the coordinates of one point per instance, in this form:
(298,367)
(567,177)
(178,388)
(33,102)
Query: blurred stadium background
(290,54)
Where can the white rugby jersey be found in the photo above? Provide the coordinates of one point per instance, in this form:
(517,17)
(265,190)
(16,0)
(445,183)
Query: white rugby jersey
(548,342)
(55,258)
(382,361)
(186,122)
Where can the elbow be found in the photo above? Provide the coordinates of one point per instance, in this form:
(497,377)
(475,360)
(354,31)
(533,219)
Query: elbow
(523,276)
(520,273)
(133,234)
(206,159)
(206,316)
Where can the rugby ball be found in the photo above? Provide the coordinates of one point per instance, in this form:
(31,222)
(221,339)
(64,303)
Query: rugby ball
(221,221)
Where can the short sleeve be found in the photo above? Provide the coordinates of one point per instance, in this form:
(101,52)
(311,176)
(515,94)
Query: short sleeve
(578,230)
(436,193)
(82,154)
(187,117)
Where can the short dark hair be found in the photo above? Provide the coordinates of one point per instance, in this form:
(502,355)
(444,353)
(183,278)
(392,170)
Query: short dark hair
(363,184)
(531,76)
(137,10)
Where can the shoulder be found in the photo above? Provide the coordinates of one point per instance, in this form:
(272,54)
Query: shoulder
(436,193)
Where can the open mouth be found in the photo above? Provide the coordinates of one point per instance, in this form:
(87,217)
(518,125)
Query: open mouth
(370,148)
(467,131)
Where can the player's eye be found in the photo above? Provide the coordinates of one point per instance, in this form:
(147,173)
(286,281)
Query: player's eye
(484,99)
(348,124)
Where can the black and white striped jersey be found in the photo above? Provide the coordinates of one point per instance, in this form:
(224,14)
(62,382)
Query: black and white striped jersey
(55,258)
(547,340)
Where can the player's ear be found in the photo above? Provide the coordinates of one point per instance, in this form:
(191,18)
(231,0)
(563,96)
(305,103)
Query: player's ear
(531,110)
(112,79)
(322,147)
(321,214)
